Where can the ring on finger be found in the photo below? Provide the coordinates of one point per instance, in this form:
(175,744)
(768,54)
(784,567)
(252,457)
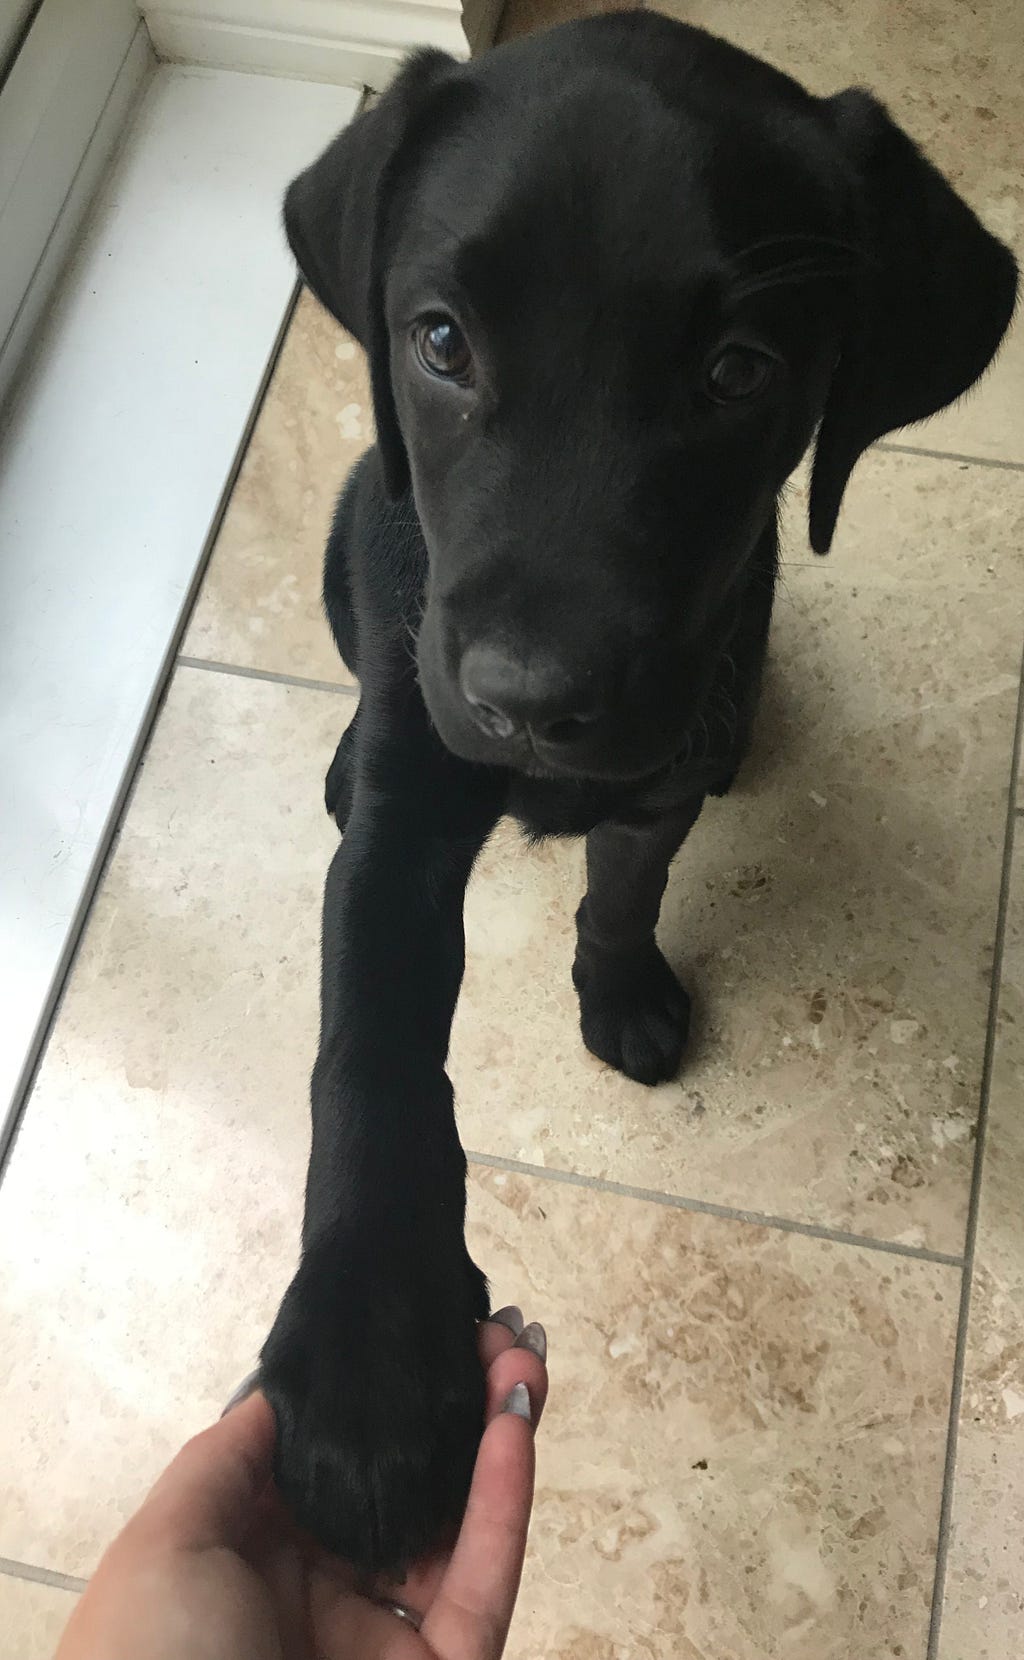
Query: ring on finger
(402,1612)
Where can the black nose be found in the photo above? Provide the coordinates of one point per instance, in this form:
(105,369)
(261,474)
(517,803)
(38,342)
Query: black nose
(507,696)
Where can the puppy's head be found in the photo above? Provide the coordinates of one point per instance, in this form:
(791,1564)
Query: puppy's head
(611,280)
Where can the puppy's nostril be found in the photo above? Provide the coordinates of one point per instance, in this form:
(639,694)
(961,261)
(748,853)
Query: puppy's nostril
(493,721)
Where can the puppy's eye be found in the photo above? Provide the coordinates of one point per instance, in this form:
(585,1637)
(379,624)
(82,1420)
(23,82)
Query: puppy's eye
(736,373)
(442,348)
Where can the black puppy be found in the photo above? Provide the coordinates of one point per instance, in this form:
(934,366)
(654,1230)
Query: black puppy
(610,279)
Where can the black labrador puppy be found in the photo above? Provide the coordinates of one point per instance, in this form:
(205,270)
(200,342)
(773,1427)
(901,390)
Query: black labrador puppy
(611,281)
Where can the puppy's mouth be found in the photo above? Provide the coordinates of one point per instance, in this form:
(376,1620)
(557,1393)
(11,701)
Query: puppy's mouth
(540,760)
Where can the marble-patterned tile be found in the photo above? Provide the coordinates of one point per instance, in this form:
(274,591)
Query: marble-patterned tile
(952,76)
(744,1444)
(149,1216)
(742,1455)
(983,1616)
(909,519)
(32,1618)
(834,919)
(259,606)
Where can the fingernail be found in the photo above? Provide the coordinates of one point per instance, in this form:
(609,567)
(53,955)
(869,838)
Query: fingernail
(534,1338)
(511,1317)
(517,1401)
(244,1390)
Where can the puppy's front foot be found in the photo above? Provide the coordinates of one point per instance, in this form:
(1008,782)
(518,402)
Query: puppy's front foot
(634,1014)
(373,1373)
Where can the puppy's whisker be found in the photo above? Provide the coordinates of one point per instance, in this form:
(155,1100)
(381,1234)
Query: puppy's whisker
(786,261)
(410,639)
(796,242)
(733,713)
(801,271)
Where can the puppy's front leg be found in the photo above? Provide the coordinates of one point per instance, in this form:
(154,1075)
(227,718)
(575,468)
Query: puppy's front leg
(634,1014)
(372,1365)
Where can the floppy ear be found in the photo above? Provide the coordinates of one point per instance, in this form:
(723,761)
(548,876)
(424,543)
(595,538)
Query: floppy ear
(936,297)
(335,215)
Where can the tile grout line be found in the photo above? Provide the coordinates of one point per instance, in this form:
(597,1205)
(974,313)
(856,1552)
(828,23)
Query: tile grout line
(26,1083)
(211,666)
(974,1206)
(706,1207)
(11,1569)
(952,455)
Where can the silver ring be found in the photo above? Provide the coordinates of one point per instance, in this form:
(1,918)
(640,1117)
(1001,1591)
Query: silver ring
(401,1612)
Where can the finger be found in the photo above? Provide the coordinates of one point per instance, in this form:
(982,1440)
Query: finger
(210,1493)
(499,1332)
(276,1557)
(510,1364)
(521,1362)
(469,1618)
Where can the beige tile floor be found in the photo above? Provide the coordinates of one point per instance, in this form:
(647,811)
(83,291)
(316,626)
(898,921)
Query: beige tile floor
(752,1277)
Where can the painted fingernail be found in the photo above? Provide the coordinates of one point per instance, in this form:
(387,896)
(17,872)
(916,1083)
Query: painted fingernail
(510,1317)
(534,1338)
(517,1401)
(244,1390)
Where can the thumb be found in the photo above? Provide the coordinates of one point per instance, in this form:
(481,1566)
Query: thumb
(209,1493)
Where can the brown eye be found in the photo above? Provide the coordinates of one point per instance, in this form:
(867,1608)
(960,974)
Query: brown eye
(736,373)
(442,348)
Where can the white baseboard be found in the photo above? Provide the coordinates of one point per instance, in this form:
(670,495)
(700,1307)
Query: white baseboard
(348,42)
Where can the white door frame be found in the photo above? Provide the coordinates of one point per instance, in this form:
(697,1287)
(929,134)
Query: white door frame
(81,64)
(62,109)
(355,42)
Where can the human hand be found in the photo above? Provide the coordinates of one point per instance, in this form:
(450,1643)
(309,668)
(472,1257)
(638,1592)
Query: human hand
(213,1568)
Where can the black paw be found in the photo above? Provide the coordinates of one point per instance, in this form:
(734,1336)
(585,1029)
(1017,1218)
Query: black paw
(635,1015)
(340,779)
(373,1373)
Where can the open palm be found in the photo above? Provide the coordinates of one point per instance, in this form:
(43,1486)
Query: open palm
(213,1568)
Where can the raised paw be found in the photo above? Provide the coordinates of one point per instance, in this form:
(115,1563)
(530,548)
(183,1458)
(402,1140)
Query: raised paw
(373,1373)
(633,1014)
